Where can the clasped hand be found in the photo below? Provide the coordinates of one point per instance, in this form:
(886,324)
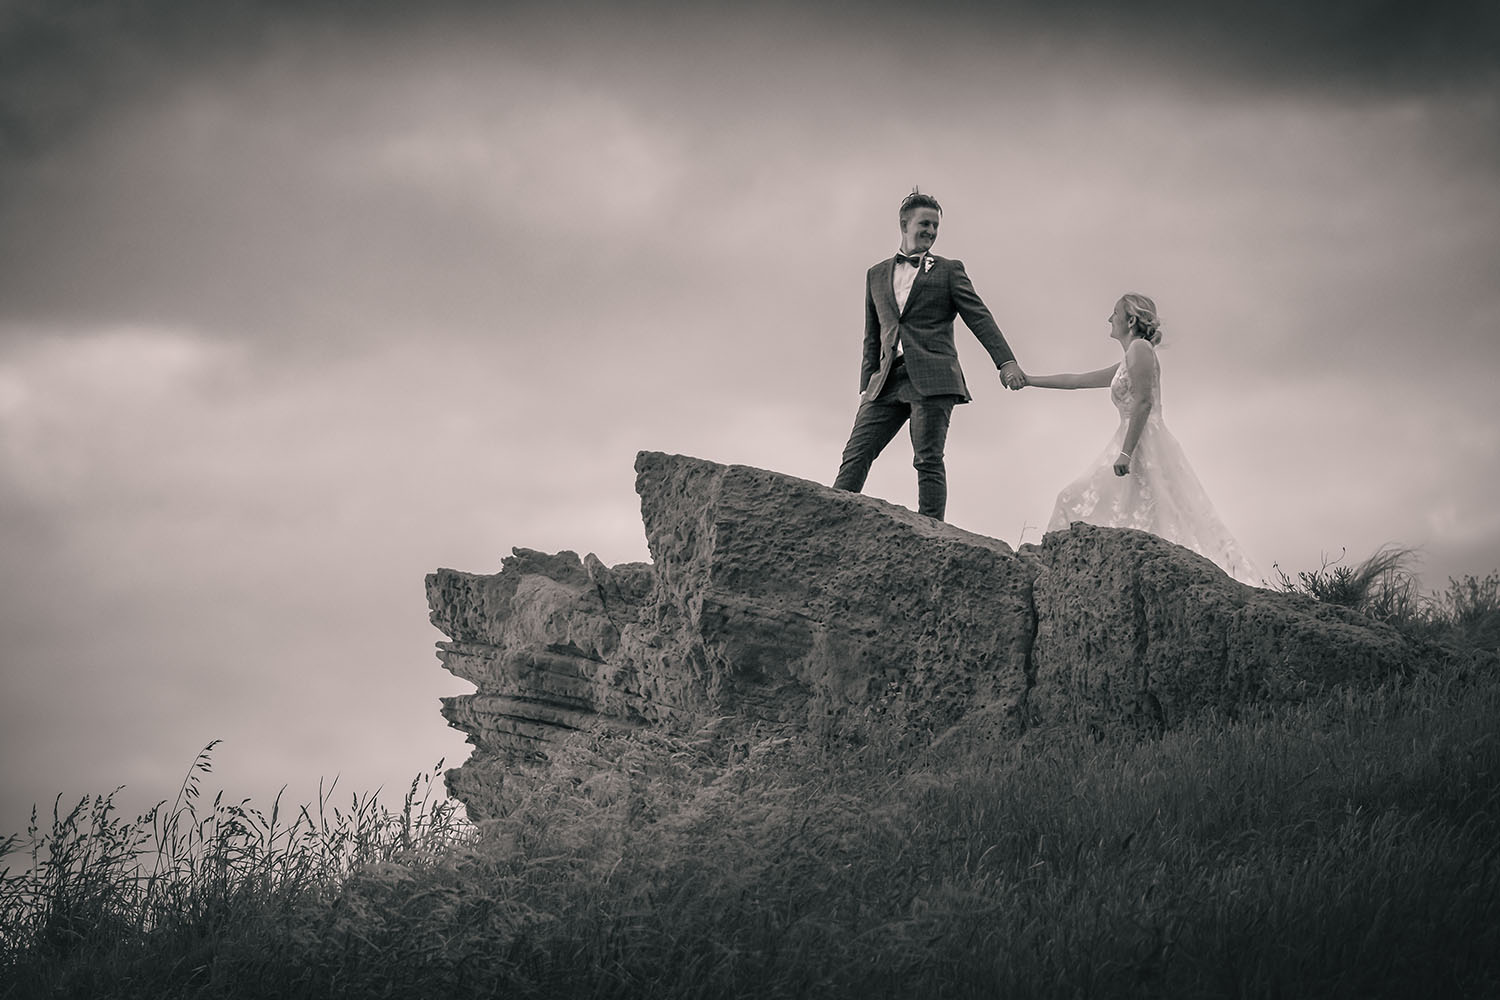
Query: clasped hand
(1012,376)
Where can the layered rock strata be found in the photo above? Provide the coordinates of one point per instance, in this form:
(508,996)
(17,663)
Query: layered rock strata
(773,598)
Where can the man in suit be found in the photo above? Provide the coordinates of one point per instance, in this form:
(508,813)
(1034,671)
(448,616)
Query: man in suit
(910,368)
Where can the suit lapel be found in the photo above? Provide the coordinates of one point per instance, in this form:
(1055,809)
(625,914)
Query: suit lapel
(887,290)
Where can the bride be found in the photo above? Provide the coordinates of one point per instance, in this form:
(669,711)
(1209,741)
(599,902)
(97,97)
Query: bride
(1143,480)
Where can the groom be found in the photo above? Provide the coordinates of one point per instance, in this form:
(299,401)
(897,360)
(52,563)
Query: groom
(910,368)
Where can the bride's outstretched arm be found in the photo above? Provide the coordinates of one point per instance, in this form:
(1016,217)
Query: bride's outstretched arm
(1086,380)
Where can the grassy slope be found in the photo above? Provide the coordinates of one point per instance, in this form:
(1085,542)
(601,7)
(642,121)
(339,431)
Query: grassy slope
(1341,848)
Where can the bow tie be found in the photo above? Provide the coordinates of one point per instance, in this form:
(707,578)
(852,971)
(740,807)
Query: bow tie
(914,261)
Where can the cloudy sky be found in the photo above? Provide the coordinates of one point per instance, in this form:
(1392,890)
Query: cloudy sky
(298,304)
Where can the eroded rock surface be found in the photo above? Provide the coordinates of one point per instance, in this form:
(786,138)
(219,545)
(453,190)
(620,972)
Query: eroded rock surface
(1130,626)
(773,598)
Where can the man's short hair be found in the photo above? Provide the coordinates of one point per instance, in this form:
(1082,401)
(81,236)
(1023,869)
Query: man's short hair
(917,200)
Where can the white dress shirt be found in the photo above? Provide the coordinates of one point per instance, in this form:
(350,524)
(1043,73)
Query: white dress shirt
(903,276)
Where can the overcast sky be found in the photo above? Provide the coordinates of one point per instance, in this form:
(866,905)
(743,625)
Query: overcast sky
(298,305)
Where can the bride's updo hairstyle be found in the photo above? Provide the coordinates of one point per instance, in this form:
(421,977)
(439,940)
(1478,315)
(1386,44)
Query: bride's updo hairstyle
(1140,312)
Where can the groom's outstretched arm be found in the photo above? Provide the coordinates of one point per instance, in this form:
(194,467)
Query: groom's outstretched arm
(976,315)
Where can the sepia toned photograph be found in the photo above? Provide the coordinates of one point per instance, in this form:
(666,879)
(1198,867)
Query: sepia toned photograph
(767,500)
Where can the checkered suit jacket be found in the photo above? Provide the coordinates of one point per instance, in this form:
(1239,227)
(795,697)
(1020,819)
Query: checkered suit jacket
(940,292)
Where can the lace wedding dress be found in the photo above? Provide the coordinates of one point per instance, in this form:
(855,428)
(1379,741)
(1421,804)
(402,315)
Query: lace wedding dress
(1161,494)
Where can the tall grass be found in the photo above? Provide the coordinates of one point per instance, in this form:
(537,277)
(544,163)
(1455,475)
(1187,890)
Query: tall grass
(1385,586)
(1344,848)
(96,893)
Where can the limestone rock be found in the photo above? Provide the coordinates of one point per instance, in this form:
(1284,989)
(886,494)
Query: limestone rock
(802,601)
(767,598)
(537,639)
(774,598)
(1123,613)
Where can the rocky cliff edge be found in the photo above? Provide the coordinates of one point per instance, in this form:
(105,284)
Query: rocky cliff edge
(771,598)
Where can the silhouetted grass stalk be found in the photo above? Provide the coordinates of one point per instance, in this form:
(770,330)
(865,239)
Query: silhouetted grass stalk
(95,880)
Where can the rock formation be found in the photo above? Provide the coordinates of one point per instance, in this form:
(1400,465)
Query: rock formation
(774,598)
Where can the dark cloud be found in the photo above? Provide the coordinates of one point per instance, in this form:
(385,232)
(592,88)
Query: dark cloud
(63,62)
(1355,46)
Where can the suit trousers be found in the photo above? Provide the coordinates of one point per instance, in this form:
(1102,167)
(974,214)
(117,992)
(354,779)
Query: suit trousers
(876,424)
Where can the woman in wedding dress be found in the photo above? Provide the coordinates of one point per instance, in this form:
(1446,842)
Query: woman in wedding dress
(1143,479)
